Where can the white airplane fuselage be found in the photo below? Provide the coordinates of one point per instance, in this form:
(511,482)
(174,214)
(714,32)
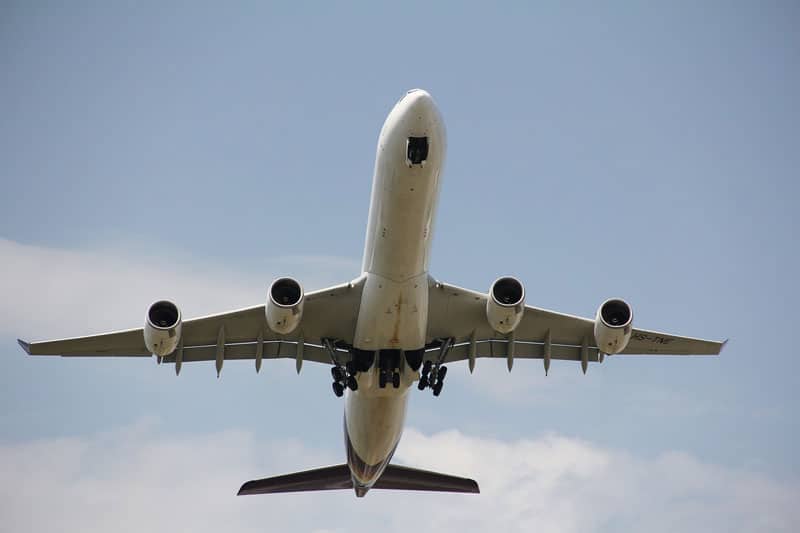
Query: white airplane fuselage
(393,315)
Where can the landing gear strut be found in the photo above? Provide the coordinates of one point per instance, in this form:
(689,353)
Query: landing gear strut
(433,372)
(344,376)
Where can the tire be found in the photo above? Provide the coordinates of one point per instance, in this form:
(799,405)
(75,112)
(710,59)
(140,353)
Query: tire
(351,367)
(337,373)
(382,379)
(423,382)
(396,380)
(352,384)
(442,372)
(437,389)
(338,389)
(426,368)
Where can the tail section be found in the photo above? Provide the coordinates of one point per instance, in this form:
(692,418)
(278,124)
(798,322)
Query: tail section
(339,477)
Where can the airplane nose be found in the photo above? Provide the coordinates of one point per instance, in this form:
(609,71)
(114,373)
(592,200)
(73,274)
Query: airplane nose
(420,100)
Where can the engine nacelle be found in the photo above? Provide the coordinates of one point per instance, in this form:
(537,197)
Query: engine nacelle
(613,325)
(505,304)
(162,328)
(284,305)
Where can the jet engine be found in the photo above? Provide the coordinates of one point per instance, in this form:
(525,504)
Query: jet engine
(613,325)
(284,305)
(505,304)
(162,328)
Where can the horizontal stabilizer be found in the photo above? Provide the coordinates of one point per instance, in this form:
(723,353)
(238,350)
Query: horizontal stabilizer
(405,478)
(328,478)
(338,477)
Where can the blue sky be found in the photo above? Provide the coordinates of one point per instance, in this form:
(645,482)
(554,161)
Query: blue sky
(196,151)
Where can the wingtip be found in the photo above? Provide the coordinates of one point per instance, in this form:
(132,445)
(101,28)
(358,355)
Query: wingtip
(245,489)
(722,346)
(25,346)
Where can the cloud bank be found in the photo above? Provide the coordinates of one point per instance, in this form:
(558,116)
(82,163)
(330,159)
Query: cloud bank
(142,479)
(50,292)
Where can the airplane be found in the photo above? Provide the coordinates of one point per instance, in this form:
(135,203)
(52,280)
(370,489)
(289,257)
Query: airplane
(390,328)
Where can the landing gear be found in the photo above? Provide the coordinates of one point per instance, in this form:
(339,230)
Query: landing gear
(386,376)
(389,363)
(344,376)
(432,376)
(338,373)
(426,368)
(433,372)
(343,379)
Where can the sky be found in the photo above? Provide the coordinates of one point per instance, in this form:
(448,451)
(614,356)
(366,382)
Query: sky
(196,151)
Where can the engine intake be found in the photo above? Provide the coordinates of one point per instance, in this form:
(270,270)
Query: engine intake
(505,304)
(284,305)
(613,325)
(162,328)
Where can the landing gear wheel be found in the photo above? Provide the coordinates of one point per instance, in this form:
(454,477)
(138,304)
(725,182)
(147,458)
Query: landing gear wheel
(396,380)
(426,368)
(352,384)
(442,372)
(337,373)
(423,382)
(351,367)
(382,378)
(338,389)
(437,389)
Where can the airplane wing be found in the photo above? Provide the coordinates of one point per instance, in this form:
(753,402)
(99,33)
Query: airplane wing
(328,313)
(460,314)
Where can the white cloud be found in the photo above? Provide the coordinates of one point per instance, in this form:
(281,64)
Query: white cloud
(51,292)
(140,479)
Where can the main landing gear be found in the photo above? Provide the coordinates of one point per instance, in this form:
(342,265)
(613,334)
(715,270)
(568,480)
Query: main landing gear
(389,364)
(344,376)
(432,375)
(433,372)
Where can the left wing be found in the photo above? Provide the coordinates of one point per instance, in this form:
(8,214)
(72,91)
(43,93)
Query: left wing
(328,313)
(460,314)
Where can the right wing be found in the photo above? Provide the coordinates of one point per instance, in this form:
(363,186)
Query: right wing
(329,313)
(460,314)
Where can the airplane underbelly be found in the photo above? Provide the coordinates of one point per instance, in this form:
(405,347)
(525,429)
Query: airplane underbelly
(392,315)
(373,426)
(394,302)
